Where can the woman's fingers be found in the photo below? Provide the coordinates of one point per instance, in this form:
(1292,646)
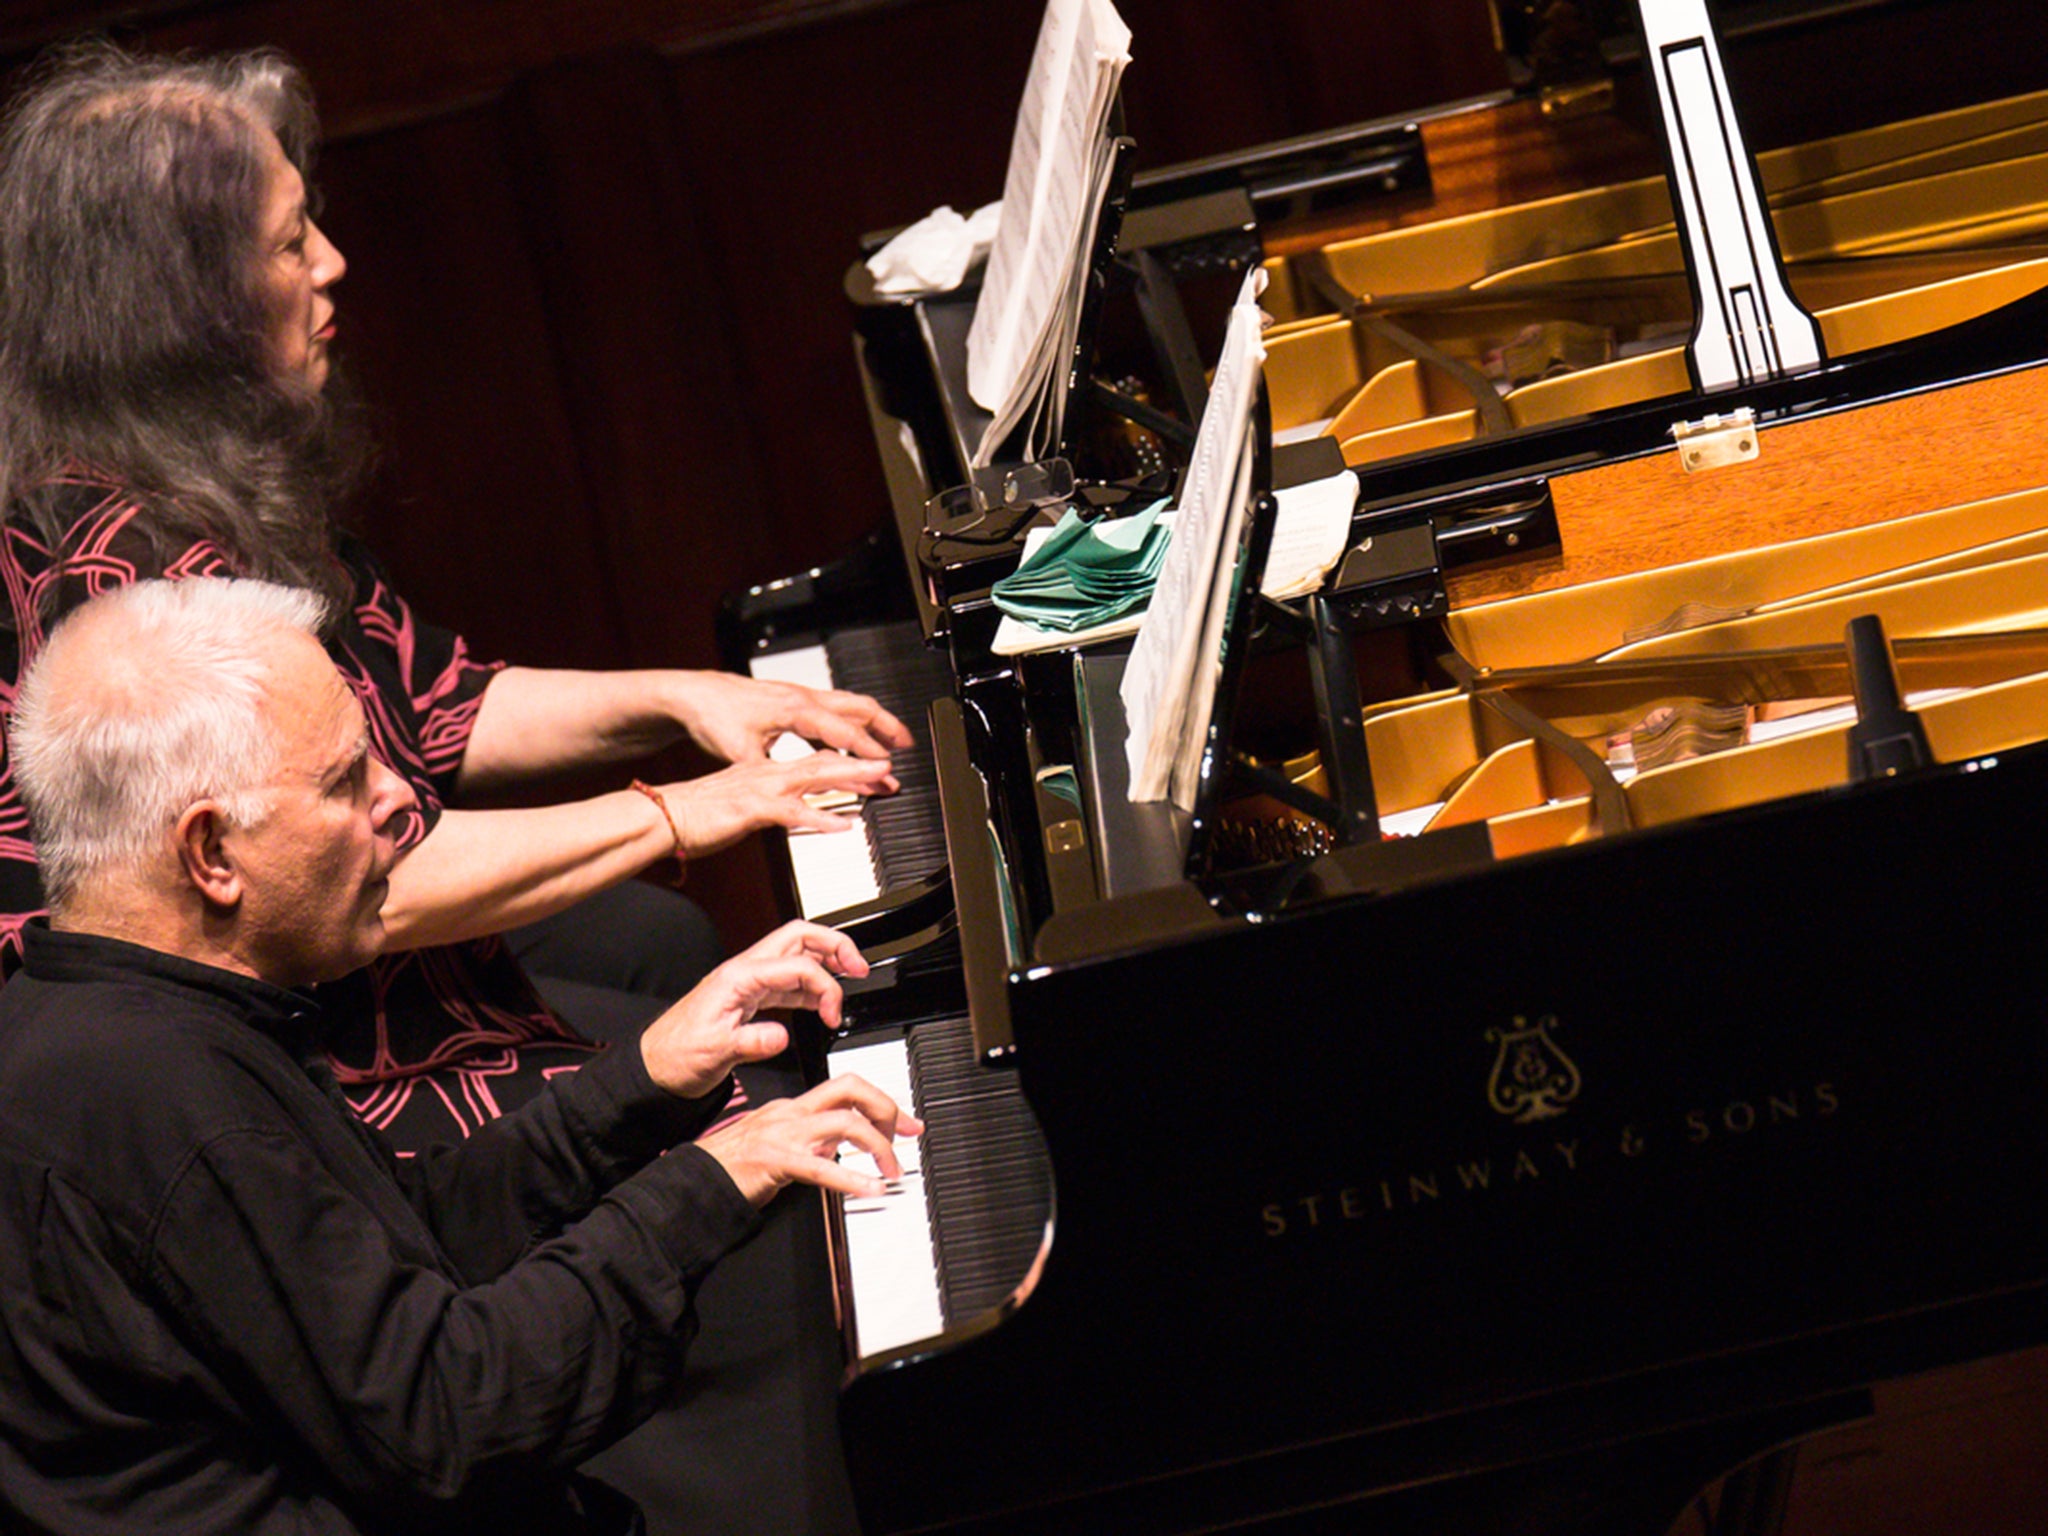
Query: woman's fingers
(851,722)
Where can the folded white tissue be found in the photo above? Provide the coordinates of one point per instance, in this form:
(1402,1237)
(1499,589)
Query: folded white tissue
(933,255)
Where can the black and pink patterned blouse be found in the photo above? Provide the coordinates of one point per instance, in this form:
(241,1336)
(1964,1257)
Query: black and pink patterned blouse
(450,1036)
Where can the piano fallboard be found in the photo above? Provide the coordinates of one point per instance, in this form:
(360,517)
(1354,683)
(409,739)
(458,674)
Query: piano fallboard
(1674,1128)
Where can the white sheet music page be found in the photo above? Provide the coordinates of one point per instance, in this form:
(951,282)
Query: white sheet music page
(1170,682)
(1206,652)
(1051,196)
(1053,365)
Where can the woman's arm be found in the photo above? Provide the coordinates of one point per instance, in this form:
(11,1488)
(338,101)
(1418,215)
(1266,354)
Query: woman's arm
(533,720)
(481,872)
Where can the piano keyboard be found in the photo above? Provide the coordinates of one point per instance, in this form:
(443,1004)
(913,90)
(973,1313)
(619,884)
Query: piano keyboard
(898,838)
(960,1233)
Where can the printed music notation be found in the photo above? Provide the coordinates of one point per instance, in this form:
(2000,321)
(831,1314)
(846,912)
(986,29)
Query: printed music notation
(1169,687)
(1027,318)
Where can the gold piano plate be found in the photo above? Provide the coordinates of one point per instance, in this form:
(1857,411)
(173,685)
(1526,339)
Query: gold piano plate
(1740,654)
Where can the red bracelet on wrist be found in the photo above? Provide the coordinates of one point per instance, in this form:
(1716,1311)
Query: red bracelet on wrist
(674,832)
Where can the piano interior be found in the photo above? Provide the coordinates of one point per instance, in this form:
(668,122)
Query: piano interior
(1580,302)
(1736,720)
(1652,1089)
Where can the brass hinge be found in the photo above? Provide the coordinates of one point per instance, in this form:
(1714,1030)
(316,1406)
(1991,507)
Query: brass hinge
(1716,441)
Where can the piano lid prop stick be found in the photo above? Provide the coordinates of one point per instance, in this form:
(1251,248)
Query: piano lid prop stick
(1749,327)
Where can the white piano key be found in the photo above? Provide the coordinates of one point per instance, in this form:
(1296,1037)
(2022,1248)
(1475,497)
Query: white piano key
(807,665)
(804,664)
(891,1260)
(832,870)
(886,1064)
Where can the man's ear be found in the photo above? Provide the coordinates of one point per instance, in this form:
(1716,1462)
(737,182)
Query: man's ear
(200,838)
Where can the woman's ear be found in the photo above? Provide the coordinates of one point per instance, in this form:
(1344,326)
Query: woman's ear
(203,855)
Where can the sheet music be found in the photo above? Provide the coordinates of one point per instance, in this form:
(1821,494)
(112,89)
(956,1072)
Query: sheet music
(1192,739)
(1054,364)
(1025,319)
(1311,528)
(1170,681)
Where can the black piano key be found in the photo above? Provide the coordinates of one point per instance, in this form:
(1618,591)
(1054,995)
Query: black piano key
(988,1182)
(892,665)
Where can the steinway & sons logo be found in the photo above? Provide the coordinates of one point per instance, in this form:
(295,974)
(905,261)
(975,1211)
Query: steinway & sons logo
(1532,1080)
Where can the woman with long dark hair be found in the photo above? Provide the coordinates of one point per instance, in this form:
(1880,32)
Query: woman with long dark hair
(169,406)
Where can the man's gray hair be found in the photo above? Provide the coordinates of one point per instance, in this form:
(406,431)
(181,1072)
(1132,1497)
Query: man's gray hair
(169,710)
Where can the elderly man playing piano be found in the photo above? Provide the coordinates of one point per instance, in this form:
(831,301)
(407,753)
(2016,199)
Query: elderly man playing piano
(223,1305)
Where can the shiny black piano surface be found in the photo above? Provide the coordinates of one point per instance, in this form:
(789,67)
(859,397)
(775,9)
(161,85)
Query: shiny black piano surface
(1675,1130)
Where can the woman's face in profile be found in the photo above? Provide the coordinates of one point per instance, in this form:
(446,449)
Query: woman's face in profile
(299,265)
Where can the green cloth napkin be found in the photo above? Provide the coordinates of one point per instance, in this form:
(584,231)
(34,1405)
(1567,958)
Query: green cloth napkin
(1087,572)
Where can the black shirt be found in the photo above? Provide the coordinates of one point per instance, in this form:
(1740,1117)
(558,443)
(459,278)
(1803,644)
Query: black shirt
(224,1307)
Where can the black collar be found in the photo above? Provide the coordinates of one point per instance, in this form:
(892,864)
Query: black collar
(55,955)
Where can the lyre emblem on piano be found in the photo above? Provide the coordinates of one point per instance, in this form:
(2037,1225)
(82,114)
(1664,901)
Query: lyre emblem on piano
(1532,1079)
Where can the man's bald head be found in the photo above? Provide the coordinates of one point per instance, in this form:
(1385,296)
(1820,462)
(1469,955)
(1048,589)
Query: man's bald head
(145,700)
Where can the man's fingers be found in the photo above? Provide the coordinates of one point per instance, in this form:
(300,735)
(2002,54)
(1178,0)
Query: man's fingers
(847,1127)
(760,1041)
(827,1131)
(835,951)
(852,1092)
(828,945)
(785,981)
(828,1173)
(796,1139)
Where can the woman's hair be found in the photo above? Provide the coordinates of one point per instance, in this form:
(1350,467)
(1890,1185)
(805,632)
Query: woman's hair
(173,709)
(136,331)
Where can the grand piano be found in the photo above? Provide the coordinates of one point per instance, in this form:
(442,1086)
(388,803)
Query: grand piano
(1585,1130)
